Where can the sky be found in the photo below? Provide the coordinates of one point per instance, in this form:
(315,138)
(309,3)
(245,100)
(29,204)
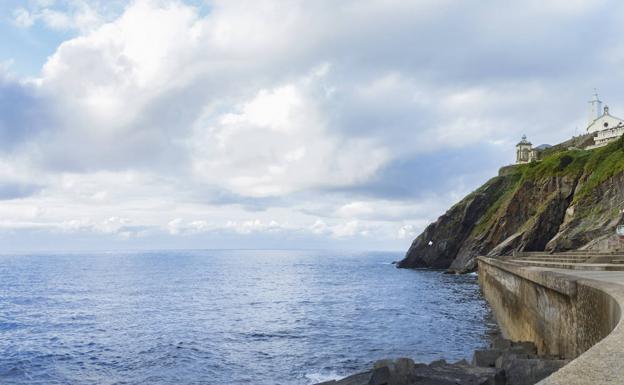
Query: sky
(155,124)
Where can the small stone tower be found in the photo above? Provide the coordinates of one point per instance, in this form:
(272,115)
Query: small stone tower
(524,151)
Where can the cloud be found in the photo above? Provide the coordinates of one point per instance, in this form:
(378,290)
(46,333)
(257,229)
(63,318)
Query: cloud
(350,229)
(341,121)
(280,142)
(64,15)
(17,190)
(23,112)
(23,18)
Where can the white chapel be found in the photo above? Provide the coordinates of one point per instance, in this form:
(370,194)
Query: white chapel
(602,128)
(605,126)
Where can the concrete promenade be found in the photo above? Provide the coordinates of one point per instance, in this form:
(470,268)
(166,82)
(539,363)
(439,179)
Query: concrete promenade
(569,312)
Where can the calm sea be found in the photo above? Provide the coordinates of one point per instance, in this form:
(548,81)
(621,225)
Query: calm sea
(226,317)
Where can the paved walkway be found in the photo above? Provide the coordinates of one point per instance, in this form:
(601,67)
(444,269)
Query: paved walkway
(616,277)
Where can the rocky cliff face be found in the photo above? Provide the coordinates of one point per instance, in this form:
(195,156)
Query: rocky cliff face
(571,199)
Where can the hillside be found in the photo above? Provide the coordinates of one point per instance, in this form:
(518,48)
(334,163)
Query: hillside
(571,199)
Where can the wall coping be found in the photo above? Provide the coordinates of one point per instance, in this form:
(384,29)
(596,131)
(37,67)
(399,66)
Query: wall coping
(603,362)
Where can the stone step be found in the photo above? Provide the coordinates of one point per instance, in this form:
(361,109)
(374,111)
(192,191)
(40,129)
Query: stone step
(558,255)
(547,258)
(604,259)
(561,260)
(595,253)
(572,258)
(573,266)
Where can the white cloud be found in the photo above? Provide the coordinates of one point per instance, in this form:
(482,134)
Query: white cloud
(408,231)
(320,119)
(346,229)
(23,18)
(380,209)
(70,15)
(280,142)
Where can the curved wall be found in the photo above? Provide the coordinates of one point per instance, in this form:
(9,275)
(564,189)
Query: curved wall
(564,314)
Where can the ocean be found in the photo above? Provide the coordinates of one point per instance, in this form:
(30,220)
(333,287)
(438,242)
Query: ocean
(227,317)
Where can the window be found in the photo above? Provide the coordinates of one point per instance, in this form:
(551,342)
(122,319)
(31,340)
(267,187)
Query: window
(606,124)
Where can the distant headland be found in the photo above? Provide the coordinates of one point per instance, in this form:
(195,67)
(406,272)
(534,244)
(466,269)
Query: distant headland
(555,198)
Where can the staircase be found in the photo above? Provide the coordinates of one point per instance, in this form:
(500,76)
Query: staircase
(576,260)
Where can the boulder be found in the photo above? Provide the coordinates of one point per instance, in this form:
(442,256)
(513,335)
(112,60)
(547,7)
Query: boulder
(529,371)
(486,358)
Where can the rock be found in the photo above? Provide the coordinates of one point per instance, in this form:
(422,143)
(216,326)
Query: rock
(356,379)
(438,363)
(389,372)
(529,371)
(506,363)
(383,363)
(445,373)
(500,343)
(381,376)
(404,371)
(507,358)
(553,205)
(439,244)
(486,358)
(523,347)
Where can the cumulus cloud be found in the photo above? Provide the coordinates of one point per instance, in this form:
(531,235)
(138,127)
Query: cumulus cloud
(344,120)
(280,142)
(80,15)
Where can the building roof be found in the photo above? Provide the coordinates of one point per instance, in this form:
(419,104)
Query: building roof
(524,141)
(605,113)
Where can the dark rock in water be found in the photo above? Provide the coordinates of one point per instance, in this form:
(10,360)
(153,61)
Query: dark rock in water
(506,363)
(524,347)
(486,358)
(528,371)
(506,357)
(500,343)
(457,374)
(441,241)
(405,372)
(380,376)
(356,379)
(518,347)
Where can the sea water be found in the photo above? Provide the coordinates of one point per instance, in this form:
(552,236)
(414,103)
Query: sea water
(226,317)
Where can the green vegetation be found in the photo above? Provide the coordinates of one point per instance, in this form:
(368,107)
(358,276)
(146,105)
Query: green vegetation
(592,166)
(603,164)
(599,164)
(564,163)
(506,193)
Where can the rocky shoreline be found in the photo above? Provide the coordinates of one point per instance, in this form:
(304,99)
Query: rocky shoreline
(504,363)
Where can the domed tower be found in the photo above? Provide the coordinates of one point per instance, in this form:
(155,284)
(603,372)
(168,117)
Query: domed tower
(524,151)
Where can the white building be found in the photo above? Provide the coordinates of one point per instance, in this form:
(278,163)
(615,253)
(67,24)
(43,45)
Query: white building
(605,126)
(525,153)
(602,126)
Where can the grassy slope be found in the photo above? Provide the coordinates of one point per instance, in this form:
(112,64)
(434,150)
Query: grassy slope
(598,165)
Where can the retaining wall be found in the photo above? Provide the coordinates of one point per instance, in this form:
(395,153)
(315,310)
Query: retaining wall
(564,314)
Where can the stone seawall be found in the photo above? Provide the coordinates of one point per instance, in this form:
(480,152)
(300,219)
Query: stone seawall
(570,314)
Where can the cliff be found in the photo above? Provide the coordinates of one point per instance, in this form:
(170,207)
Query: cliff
(572,199)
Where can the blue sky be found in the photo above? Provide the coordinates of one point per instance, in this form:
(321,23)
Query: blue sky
(271,124)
